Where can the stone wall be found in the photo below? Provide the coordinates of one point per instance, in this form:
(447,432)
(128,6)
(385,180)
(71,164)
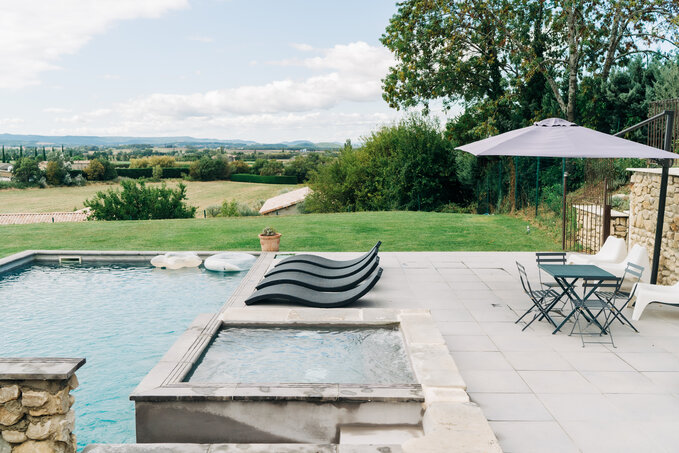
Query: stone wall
(36,414)
(643,216)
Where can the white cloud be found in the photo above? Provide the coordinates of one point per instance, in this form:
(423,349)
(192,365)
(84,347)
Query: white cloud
(55,110)
(340,78)
(34,34)
(350,73)
(302,47)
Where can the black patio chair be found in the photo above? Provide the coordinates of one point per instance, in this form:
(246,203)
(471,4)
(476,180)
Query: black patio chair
(299,295)
(318,283)
(549,258)
(603,302)
(326,262)
(542,299)
(324,272)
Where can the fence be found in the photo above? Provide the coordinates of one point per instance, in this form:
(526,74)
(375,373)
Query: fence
(656,130)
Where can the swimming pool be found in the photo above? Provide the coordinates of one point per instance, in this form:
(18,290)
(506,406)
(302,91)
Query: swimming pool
(121,317)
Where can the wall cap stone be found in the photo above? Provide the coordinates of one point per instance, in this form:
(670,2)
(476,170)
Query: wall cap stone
(38,368)
(674,171)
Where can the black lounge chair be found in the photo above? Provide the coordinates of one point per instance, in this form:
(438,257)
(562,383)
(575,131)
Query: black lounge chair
(323,272)
(299,295)
(318,283)
(328,263)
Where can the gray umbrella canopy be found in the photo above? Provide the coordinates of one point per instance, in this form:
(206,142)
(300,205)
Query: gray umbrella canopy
(555,137)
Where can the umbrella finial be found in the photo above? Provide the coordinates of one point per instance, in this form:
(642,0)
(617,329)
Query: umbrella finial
(554,122)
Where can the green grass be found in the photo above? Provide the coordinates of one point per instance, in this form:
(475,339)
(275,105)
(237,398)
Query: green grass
(399,231)
(200,194)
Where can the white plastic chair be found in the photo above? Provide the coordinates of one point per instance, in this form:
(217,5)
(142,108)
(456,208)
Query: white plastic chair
(660,294)
(613,251)
(639,256)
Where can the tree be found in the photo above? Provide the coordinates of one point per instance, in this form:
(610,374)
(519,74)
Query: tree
(271,168)
(56,171)
(208,169)
(26,170)
(483,52)
(100,170)
(239,166)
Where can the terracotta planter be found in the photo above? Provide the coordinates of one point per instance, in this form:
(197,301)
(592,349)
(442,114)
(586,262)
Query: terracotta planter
(270,243)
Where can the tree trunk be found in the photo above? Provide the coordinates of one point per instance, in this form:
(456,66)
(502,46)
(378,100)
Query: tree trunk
(573,57)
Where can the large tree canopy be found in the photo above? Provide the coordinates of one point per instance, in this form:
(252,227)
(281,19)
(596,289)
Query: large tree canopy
(491,51)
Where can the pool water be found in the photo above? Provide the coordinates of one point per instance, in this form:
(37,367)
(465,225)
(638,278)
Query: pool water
(338,355)
(121,317)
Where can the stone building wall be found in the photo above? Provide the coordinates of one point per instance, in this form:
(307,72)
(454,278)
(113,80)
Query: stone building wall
(643,216)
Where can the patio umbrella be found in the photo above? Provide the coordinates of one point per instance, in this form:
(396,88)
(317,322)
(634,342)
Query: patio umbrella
(555,137)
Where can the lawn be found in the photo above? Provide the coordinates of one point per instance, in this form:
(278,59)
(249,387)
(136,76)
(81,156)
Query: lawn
(200,194)
(399,231)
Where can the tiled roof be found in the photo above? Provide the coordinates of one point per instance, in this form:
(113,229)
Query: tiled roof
(286,200)
(44,217)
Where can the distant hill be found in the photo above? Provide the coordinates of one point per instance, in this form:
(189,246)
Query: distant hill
(85,140)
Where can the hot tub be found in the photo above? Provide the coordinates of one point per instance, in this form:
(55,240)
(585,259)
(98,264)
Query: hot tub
(279,375)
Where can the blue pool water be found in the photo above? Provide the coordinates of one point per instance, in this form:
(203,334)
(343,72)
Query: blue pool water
(338,355)
(121,317)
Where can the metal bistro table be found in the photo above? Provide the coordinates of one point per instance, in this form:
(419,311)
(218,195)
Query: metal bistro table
(567,276)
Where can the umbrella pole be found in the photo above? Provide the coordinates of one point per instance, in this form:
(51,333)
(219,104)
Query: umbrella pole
(537,182)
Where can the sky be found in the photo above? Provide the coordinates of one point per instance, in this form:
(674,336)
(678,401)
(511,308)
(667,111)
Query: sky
(262,70)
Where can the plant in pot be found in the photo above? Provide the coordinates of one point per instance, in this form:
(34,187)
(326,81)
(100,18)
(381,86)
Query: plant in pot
(270,240)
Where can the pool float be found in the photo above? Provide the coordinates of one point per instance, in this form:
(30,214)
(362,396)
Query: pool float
(176,260)
(229,262)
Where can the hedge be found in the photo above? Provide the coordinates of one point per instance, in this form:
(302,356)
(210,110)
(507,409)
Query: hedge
(136,173)
(244,177)
(74,173)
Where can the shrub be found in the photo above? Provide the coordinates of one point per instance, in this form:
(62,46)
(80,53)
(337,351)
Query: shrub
(264,179)
(157,172)
(26,171)
(100,170)
(235,209)
(239,166)
(138,202)
(213,211)
(207,169)
(153,161)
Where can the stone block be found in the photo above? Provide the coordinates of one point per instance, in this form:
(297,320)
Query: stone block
(11,412)
(35,447)
(9,393)
(73,382)
(55,404)
(31,398)
(14,437)
(4,446)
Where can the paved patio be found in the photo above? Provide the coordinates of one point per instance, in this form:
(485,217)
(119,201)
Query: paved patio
(541,392)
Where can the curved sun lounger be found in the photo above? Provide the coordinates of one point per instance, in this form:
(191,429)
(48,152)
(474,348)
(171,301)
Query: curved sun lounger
(613,251)
(328,263)
(323,272)
(659,294)
(318,283)
(637,255)
(299,295)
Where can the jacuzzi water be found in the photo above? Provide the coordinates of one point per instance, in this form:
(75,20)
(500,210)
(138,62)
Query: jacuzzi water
(121,317)
(305,355)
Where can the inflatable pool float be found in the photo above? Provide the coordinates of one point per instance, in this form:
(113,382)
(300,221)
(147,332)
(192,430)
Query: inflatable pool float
(230,262)
(177,260)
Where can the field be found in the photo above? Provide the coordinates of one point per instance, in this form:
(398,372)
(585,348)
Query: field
(200,194)
(399,231)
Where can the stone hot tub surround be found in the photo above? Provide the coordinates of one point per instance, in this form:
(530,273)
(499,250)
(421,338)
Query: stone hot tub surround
(35,404)
(171,410)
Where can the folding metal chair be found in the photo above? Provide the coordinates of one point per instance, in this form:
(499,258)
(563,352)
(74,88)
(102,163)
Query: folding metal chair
(542,299)
(633,273)
(603,301)
(549,258)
